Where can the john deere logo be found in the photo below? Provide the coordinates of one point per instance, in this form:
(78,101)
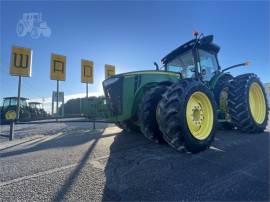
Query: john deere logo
(33,24)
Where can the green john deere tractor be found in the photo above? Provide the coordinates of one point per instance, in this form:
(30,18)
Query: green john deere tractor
(10,104)
(183,101)
(37,111)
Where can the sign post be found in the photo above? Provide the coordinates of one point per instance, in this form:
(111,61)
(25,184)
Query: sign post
(11,131)
(86,90)
(18,99)
(11,116)
(87,76)
(109,70)
(20,65)
(57,98)
(58,73)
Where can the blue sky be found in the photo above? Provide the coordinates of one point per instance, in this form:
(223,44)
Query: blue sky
(130,35)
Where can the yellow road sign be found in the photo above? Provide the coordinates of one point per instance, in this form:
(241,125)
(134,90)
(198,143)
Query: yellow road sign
(21,62)
(87,68)
(109,70)
(58,67)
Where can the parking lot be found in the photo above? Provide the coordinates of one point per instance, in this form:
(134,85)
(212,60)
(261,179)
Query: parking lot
(70,161)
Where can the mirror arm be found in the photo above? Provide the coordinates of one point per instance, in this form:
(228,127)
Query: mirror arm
(234,66)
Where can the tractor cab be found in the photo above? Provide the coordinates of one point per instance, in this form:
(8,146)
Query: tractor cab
(35,105)
(12,102)
(196,58)
(37,111)
(32,17)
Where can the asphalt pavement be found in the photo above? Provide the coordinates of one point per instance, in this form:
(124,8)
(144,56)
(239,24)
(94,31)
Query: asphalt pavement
(71,162)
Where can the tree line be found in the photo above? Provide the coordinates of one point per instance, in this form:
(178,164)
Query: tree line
(91,107)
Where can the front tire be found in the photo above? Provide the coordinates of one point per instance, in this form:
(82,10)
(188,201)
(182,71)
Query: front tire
(247,104)
(188,116)
(148,113)
(127,126)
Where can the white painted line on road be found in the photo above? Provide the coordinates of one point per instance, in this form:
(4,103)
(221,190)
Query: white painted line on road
(14,143)
(216,149)
(93,162)
(37,174)
(32,139)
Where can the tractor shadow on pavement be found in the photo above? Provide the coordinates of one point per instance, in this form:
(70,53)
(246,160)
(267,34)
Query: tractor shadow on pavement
(236,167)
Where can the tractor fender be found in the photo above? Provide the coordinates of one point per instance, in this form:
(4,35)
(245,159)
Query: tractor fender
(216,79)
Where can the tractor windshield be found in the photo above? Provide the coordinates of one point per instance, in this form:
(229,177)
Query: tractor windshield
(6,103)
(13,102)
(35,105)
(183,64)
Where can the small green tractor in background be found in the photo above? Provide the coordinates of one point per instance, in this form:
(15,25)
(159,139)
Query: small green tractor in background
(10,104)
(28,111)
(37,111)
(183,101)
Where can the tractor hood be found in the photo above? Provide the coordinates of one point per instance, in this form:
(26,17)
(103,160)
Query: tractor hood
(123,91)
(116,77)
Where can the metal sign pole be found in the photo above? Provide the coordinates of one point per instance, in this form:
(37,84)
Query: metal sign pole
(86,90)
(11,131)
(95,116)
(18,99)
(63,106)
(80,106)
(57,98)
(52,105)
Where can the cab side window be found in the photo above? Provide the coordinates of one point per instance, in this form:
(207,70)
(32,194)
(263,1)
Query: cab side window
(6,103)
(208,63)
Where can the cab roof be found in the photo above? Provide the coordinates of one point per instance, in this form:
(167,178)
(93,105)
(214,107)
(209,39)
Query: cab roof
(210,47)
(34,102)
(22,98)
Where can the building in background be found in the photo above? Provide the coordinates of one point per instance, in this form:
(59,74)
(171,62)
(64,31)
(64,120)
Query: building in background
(47,101)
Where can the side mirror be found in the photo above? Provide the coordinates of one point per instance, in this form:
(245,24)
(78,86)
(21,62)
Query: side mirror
(156,65)
(247,63)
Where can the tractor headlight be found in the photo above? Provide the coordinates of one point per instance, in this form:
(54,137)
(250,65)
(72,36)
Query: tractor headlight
(109,81)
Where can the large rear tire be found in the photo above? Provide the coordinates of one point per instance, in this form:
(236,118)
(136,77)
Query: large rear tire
(248,104)
(221,93)
(188,116)
(148,113)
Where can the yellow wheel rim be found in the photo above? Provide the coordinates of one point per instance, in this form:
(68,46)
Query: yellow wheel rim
(257,103)
(200,116)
